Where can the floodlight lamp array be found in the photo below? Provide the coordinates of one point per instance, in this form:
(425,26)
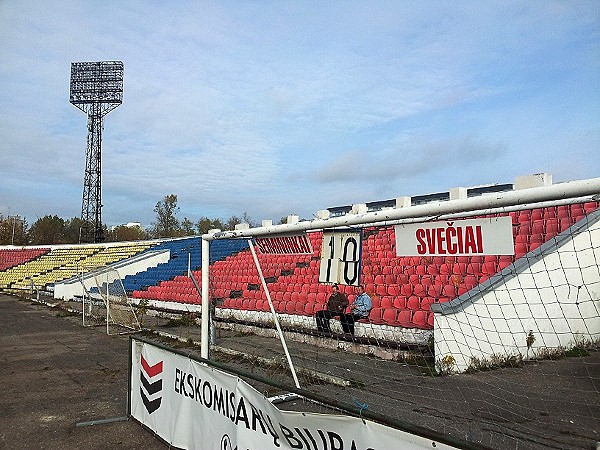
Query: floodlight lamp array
(96,83)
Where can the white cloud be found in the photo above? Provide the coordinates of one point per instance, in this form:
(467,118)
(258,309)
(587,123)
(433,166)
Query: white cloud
(273,108)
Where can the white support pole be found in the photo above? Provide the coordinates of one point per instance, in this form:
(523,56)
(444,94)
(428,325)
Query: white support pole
(279,331)
(205,331)
(107,306)
(560,191)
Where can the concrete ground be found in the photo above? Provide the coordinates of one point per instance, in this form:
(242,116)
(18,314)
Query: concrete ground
(57,376)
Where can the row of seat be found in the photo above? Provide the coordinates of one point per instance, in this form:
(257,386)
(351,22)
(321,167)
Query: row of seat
(61,263)
(402,287)
(392,316)
(403,284)
(13,257)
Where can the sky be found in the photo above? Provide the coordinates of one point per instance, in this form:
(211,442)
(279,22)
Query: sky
(272,108)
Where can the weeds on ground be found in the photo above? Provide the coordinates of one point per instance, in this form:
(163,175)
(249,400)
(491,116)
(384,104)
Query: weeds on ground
(67,313)
(184,320)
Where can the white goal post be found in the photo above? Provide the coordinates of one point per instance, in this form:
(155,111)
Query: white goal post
(569,192)
(113,307)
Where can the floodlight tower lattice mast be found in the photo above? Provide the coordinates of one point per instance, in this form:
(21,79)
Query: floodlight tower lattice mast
(96,89)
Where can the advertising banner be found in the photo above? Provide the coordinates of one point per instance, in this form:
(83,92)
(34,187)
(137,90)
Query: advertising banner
(490,236)
(288,244)
(191,405)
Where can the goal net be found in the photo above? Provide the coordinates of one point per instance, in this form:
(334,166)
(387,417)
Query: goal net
(110,305)
(487,329)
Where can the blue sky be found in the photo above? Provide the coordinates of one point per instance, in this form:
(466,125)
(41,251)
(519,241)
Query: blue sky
(287,107)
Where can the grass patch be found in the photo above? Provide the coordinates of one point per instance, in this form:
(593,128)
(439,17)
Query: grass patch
(184,320)
(576,352)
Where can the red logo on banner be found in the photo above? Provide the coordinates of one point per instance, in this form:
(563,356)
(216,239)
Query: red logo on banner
(150,387)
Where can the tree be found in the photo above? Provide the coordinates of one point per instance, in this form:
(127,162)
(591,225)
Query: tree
(47,230)
(232,222)
(72,230)
(205,224)
(187,227)
(13,230)
(166,224)
(124,233)
(249,220)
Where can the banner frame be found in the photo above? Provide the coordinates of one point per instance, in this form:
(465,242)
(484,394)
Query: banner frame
(347,408)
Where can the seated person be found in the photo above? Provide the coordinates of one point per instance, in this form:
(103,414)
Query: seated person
(359,309)
(336,305)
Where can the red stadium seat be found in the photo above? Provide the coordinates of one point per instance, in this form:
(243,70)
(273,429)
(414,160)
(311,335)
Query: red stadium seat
(389,316)
(471,280)
(400,302)
(590,207)
(524,216)
(426,303)
(537,227)
(426,280)
(419,290)
(387,302)
(413,302)
(432,269)
(552,225)
(290,307)
(449,291)
(265,306)
(563,212)
(565,223)
(576,210)
(445,269)
(474,268)
(300,308)
(309,309)
(459,268)
(521,248)
(419,318)
(376,316)
(406,290)
(489,268)
(435,290)
(477,259)
(404,318)
(393,290)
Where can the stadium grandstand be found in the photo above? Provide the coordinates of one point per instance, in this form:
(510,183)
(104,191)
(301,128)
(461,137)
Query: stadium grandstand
(451,313)
(403,288)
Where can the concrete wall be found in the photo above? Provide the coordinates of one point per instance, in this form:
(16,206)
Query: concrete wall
(547,301)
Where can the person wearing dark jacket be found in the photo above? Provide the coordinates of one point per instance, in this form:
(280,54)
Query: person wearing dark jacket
(336,306)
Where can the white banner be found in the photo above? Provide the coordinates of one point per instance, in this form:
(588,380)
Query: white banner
(289,244)
(191,405)
(491,236)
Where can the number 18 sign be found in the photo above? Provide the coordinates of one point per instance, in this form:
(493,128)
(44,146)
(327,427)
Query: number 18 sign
(340,257)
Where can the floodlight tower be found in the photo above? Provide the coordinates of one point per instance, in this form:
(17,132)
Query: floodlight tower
(96,89)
